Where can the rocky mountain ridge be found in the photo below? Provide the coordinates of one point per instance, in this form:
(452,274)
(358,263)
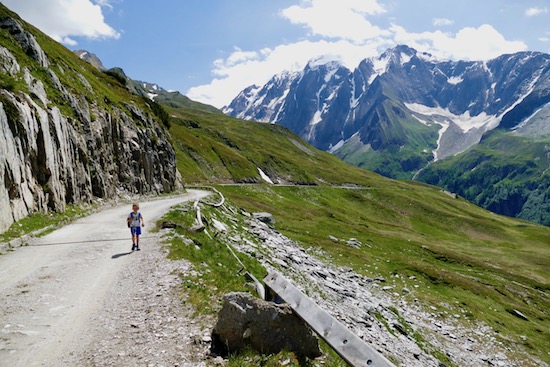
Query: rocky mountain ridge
(62,140)
(479,129)
(402,100)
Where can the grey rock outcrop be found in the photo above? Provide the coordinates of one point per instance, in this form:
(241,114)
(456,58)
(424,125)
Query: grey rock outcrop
(25,39)
(246,321)
(264,217)
(8,63)
(51,157)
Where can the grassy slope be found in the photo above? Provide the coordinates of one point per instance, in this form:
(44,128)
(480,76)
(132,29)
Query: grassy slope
(407,145)
(465,259)
(475,263)
(506,173)
(214,148)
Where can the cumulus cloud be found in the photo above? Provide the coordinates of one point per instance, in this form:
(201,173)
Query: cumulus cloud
(531,12)
(64,19)
(319,17)
(482,43)
(231,78)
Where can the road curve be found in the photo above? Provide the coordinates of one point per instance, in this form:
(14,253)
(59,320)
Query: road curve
(49,291)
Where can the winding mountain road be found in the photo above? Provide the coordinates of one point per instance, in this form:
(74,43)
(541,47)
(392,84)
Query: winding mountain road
(55,293)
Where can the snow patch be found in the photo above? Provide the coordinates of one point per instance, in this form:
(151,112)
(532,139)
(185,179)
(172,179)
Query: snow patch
(317,117)
(264,176)
(152,96)
(332,61)
(405,58)
(334,148)
(464,121)
(455,80)
(380,66)
(330,74)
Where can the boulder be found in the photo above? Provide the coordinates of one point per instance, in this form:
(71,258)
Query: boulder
(264,217)
(267,327)
(354,242)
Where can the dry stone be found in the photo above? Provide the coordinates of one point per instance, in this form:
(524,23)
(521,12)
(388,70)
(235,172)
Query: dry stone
(264,217)
(246,321)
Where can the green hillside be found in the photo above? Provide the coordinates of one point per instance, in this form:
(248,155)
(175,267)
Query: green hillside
(400,146)
(468,259)
(215,148)
(506,173)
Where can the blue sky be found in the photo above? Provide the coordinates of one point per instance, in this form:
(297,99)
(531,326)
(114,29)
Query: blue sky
(212,49)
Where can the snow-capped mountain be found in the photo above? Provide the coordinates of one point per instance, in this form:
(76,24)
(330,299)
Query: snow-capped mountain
(398,112)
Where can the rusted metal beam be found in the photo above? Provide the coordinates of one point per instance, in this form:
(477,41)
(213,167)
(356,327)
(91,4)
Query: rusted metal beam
(348,345)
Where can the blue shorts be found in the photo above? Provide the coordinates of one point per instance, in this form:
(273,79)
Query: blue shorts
(135,230)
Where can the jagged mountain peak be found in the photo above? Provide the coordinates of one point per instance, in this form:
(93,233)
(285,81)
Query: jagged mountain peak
(398,53)
(453,103)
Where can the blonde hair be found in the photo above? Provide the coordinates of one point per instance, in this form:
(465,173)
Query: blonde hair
(136,205)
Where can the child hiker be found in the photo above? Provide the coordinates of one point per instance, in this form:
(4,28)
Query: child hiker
(135,222)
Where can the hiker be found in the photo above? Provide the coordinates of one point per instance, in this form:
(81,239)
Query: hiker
(135,222)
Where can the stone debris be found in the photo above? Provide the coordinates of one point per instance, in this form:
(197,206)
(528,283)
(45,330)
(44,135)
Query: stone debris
(354,300)
(247,321)
(264,217)
(354,242)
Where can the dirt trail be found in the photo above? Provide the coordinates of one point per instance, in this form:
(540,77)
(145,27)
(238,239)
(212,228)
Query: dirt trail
(79,296)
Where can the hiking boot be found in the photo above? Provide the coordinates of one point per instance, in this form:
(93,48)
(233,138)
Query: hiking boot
(137,247)
(133,246)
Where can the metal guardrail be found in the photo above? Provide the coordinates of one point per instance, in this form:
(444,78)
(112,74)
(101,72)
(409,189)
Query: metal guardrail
(348,345)
(210,188)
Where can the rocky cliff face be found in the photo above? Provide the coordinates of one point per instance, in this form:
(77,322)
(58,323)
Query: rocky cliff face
(52,156)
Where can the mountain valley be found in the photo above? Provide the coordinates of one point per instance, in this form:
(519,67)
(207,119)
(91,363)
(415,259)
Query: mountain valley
(424,268)
(405,112)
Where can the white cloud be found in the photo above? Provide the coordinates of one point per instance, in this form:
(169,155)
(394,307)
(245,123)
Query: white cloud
(352,39)
(237,57)
(482,43)
(531,12)
(231,77)
(64,19)
(321,18)
(441,22)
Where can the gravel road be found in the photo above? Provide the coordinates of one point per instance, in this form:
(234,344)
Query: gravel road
(80,297)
